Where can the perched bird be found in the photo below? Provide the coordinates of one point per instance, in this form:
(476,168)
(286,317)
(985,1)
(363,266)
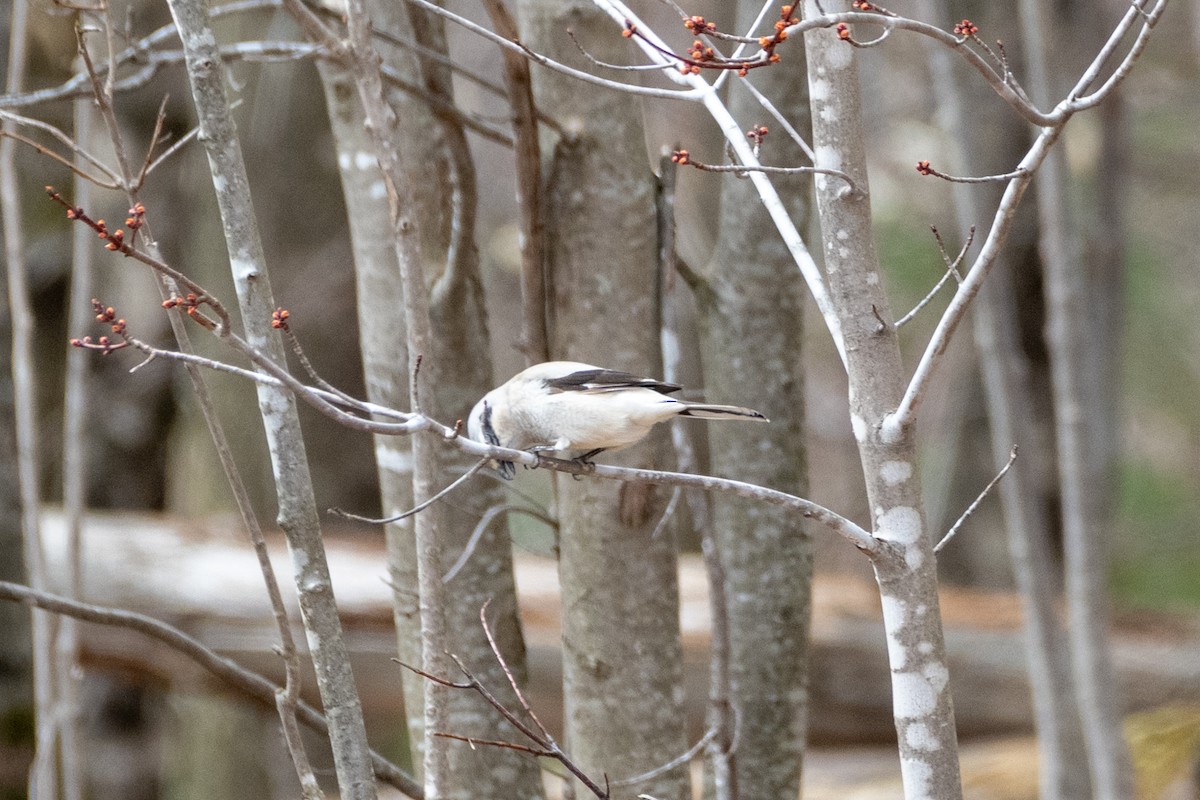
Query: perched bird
(566,405)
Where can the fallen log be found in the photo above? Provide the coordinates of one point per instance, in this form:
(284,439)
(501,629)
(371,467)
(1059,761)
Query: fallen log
(201,576)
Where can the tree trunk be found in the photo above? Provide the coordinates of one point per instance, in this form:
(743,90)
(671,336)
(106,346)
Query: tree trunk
(622,652)
(1085,424)
(297,514)
(1012,385)
(751,299)
(906,570)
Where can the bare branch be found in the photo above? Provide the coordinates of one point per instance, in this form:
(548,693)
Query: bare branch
(950,534)
(586,77)
(459,481)
(924,168)
(741,171)
(481,528)
(110,181)
(249,683)
(679,761)
(951,272)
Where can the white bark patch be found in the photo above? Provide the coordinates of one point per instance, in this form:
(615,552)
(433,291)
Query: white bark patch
(893,610)
(938,676)
(872,278)
(859,426)
(920,737)
(818,90)
(397,460)
(243,269)
(913,697)
(925,648)
(917,777)
(843,235)
(365,161)
(901,524)
(895,472)
(913,557)
(839,57)
(378,190)
(828,157)
(200,39)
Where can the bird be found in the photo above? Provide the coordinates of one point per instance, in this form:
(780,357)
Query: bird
(581,408)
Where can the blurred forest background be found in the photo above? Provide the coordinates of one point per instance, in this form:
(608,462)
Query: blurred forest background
(148,449)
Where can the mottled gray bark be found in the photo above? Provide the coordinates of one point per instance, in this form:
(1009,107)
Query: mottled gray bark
(751,297)
(43,780)
(456,373)
(1011,394)
(297,514)
(621,648)
(380,305)
(906,570)
(1083,432)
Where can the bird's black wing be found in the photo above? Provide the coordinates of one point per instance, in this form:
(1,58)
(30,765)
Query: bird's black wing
(607,380)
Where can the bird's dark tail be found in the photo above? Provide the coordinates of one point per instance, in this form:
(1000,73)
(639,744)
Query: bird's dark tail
(706,411)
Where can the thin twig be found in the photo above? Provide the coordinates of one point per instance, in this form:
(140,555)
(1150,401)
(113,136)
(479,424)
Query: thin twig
(548,747)
(459,481)
(249,683)
(1012,456)
(668,513)
(674,763)
(952,266)
(173,149)
(924,168)
(741,170)
(481,528)
(508,673)
(606,65)
(155,138)
(63,137)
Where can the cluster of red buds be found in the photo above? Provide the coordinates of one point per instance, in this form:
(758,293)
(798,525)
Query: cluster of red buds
(757,134)
(965,28)
(279,319)
(630,29)
(862,5)
(843,31)
(114,238)
(190,303)
(699,25)
(924,168)
(701,52)
(105,345)
(136,220)
(680,156)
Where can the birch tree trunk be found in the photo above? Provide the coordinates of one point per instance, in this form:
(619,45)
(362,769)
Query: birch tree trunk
(906,570)
(445,218)
(1009,382)
(297,514)
(1082,433)
(380,306)
(751,299)
(621,647)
